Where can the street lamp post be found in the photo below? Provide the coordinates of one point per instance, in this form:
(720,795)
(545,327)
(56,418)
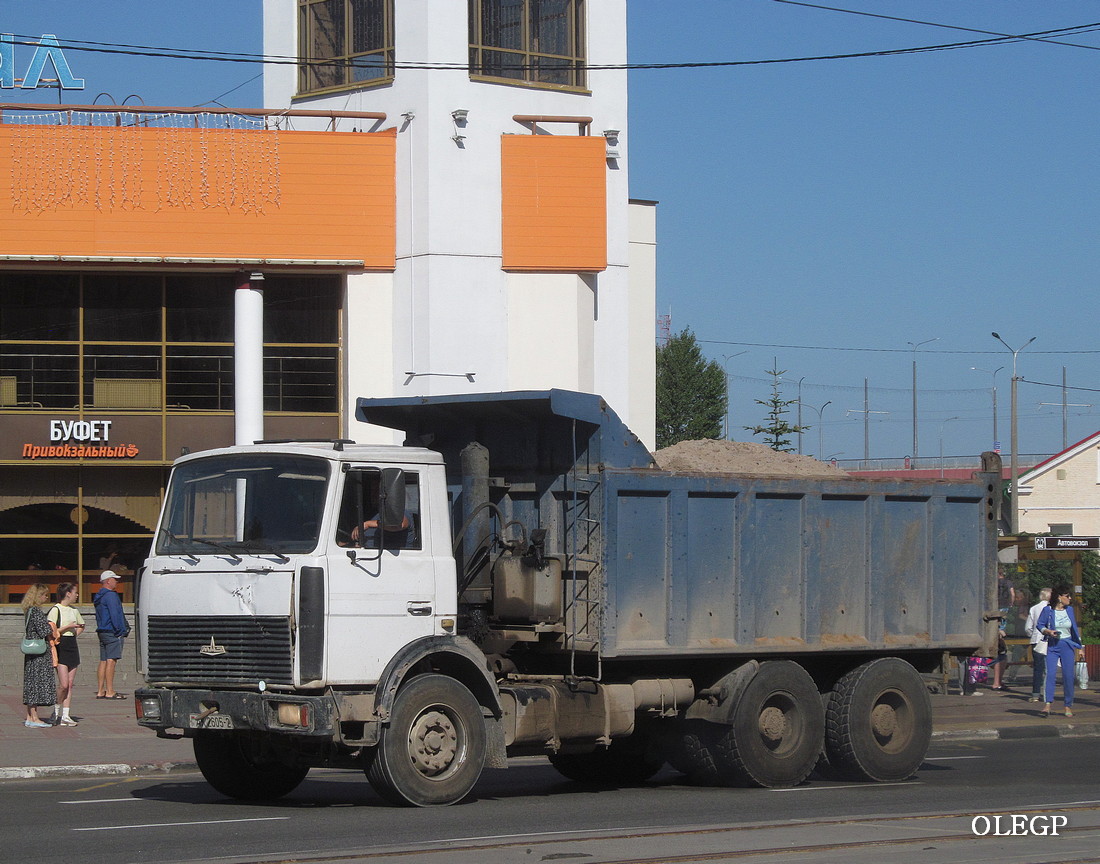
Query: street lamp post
(917,345)
(944,423)
(1014,515)
(800,380)
(996,440)
(725,368)
(819,411)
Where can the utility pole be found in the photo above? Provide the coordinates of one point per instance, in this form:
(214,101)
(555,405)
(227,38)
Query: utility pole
(866,412)
(917,345)
(1014,515)
(725,366)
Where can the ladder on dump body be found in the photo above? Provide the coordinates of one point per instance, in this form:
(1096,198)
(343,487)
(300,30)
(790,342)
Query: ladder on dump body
(583,548)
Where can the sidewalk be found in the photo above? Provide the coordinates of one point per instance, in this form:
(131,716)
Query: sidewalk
(108,741)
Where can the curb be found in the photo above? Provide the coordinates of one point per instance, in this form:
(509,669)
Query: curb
(1012,733)
(106,770)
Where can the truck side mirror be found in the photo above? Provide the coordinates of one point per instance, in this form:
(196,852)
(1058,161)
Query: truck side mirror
(391,506)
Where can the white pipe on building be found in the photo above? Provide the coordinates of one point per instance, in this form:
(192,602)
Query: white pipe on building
(248,359)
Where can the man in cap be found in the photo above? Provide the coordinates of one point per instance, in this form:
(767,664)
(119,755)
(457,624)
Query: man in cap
(111,628)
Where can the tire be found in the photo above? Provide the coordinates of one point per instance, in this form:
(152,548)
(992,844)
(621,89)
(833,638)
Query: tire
(878,722)
(778,729)
(627,762)
(237,766)
(432,752)
(686,747)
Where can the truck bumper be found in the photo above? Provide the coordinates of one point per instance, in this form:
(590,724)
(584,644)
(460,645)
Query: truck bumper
(194,710)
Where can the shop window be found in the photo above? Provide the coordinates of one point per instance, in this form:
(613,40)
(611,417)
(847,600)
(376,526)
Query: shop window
(199,308)
(122,308)
(41,375)
(301,309)
(300,379)
(39,307)
(344,43)
(538,42)
(200,377)
(122,377)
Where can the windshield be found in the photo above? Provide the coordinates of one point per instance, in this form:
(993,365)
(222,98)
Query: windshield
(244,504)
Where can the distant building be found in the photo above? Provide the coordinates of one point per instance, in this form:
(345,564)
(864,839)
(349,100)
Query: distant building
(1061,495)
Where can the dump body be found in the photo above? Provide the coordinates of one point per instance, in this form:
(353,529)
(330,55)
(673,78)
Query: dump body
(702,564)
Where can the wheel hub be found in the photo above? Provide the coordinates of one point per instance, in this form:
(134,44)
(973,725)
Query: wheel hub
(884,720)
(433,743)
(773,723)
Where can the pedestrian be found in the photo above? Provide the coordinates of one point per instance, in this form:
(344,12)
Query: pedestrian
(1059,625)
(70,624)
(1038,646)
(39,685)
(111,628)
(1001,662)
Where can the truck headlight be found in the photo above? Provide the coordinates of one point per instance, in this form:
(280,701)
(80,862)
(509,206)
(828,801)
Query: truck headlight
(293,714)
(148,708)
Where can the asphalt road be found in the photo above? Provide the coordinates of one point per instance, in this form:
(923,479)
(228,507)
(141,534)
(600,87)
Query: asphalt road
(530,814)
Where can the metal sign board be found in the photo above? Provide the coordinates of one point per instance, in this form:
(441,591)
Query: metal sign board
(1049,543)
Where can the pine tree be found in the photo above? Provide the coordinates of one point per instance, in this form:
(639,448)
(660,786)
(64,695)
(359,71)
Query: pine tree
(776,429)
(691,392)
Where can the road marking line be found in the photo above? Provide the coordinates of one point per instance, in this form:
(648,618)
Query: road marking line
(176,824)
(100,800)
(949,758)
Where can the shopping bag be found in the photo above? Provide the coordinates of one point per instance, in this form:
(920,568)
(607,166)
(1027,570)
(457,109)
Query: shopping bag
(977,669)
(1082,674)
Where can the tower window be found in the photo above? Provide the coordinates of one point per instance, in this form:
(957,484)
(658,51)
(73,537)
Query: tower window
(539,42)
(344,43)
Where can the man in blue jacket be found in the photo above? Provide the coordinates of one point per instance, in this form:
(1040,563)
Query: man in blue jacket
(111,628)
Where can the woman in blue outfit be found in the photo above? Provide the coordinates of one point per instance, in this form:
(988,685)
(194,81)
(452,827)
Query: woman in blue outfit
(1058,625)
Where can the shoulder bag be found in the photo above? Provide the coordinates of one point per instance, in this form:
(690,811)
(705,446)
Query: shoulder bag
(29,645)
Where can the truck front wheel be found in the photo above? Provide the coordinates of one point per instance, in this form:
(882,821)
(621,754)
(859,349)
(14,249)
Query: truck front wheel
(238,765)
(777,729)
(878,722)
(433,749)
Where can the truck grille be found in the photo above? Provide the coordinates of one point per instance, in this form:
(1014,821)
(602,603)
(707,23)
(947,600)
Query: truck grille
(220,649)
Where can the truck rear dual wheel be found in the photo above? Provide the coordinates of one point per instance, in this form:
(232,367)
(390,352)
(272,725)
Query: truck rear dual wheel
(433,749)
(777,730)
(235,766)
(878,722)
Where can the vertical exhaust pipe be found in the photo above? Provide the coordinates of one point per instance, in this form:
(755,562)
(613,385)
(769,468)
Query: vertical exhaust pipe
(473,567)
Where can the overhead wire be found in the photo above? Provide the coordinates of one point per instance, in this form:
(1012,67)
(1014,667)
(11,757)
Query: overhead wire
(1032,38)
(882,350)
(247,57)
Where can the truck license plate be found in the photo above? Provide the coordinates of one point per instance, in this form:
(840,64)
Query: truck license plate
(211,721)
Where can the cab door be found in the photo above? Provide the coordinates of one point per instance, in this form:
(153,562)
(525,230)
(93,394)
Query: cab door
(382,584)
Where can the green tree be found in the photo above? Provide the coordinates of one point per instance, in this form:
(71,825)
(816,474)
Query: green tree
(691,392)
(776,428)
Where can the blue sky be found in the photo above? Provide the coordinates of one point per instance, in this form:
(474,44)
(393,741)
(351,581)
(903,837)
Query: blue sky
(825,213)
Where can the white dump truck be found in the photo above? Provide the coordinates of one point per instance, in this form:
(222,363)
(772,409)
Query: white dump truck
(520,579)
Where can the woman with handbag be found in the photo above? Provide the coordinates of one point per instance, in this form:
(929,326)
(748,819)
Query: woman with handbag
(1058,625)
(39,683)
